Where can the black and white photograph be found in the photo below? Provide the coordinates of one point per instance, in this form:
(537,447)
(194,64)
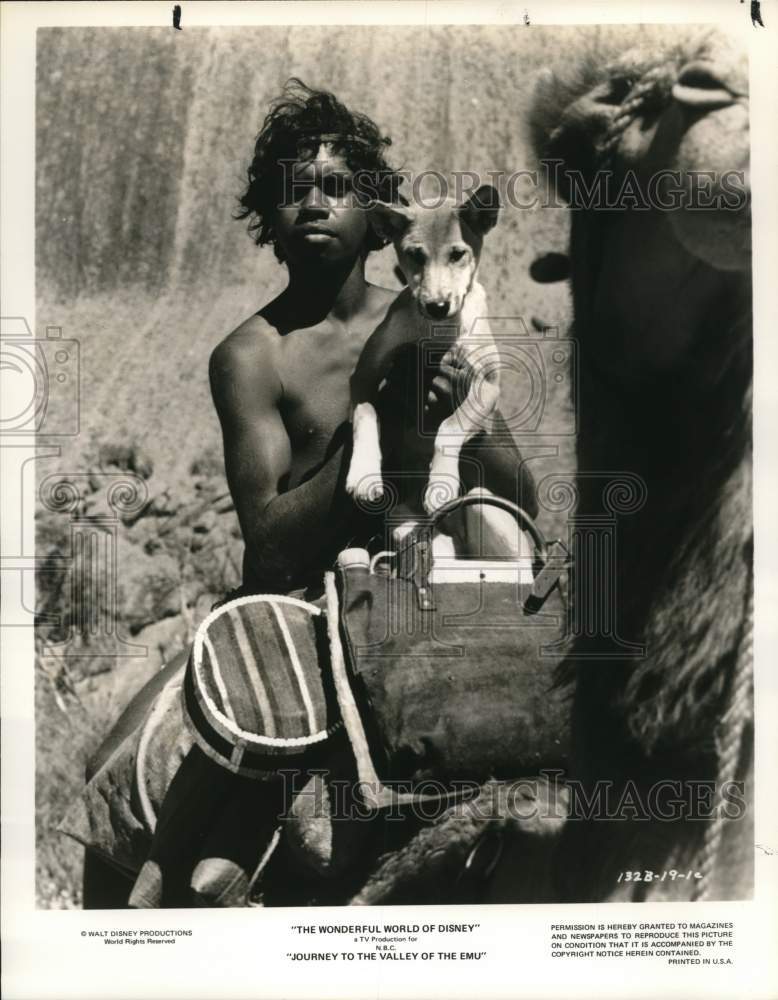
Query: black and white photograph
(383,435)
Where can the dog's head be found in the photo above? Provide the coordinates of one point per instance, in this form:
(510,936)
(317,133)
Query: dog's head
(439,248)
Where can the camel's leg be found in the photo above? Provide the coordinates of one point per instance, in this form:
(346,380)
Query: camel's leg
(364,480)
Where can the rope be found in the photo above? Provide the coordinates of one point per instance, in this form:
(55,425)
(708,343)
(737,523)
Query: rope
(729,738)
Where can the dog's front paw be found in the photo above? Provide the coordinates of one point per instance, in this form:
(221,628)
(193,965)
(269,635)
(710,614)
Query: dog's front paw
(365,488)
(438,493)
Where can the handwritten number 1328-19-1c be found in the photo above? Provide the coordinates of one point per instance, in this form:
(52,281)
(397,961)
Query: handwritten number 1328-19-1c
(648,876)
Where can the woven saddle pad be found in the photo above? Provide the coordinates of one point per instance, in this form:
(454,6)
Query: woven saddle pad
(257,692)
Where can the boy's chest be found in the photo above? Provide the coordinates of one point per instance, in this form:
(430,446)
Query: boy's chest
(315,368)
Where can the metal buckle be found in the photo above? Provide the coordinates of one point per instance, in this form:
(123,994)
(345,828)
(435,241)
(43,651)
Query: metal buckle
(557,561)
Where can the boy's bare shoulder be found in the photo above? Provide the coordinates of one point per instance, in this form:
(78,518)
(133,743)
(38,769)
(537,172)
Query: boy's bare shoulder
(255,336)
(247,356)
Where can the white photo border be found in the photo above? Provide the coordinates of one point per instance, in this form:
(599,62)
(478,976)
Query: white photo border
(243,953)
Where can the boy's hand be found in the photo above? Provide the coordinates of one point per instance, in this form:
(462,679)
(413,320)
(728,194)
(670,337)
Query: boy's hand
(447,389)
(409,424)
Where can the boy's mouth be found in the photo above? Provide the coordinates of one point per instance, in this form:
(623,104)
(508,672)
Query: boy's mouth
(314,230)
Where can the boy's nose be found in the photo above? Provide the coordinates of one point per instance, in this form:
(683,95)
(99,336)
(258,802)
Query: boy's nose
(437,310)
(315,201)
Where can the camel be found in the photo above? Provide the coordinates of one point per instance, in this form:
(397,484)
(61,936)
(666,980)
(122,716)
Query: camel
(662,315)
(662,312)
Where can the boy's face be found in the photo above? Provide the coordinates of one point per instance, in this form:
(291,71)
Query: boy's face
(320,217)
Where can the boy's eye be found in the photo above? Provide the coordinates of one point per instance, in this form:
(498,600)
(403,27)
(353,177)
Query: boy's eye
(416,254)
(335,186)
(456,254)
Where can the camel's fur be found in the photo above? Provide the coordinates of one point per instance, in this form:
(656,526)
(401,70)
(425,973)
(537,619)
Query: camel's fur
(682,423)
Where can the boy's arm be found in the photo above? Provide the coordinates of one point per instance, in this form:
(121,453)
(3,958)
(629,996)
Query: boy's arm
(284,531)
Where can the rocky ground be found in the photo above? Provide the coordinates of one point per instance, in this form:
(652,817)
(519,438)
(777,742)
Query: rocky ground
(175,557)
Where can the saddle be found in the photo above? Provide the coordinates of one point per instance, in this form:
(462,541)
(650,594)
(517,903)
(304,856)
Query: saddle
(444,670)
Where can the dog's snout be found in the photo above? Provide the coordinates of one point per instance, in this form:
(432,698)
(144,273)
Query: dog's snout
(437,310)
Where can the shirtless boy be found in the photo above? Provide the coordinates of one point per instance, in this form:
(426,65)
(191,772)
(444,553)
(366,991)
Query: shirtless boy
(280,382)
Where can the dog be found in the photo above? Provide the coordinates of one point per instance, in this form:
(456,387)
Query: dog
(438,250)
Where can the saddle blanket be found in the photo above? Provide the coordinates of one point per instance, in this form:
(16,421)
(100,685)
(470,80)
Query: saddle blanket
(253,698)
(257,690)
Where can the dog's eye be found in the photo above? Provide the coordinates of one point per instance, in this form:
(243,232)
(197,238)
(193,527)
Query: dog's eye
(416,254)
(456,254)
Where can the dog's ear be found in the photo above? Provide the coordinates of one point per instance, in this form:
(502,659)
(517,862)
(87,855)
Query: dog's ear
(481,209)
(389,221)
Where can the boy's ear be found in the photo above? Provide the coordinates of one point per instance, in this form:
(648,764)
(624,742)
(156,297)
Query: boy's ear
(481,209)
(389,221)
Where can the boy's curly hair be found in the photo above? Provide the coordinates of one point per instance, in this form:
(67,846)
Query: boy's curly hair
(292,130)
